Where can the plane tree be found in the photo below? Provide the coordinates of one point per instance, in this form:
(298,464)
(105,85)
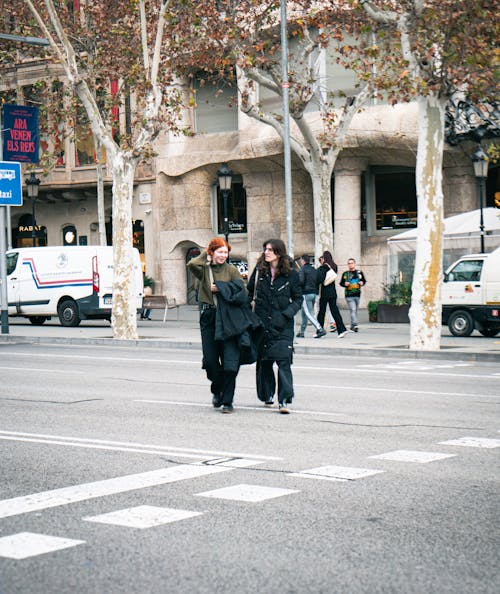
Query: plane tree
(447,47)
(93,44)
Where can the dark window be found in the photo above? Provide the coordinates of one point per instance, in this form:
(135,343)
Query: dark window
(236,209)
(395,200)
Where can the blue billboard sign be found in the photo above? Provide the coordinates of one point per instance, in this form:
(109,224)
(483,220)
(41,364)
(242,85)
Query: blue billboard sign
(11,193)
(20,138)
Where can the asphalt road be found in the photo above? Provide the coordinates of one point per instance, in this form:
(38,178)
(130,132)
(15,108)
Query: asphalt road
(117,475)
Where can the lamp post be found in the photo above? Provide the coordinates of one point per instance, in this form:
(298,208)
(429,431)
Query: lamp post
(225,176)
(480,163)
(32,186)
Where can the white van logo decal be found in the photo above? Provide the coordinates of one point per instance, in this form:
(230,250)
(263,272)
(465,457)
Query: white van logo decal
(62,260)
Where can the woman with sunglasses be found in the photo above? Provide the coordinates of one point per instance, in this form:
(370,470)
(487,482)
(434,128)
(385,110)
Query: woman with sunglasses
(275,289)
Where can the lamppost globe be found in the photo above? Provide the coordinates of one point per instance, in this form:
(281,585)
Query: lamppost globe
(225,176)
(32,187)
(480,163)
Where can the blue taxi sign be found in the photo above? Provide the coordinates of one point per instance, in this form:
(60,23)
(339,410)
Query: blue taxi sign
(11,193)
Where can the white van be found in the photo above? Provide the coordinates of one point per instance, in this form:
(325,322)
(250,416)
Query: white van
(471,295)
(71,282)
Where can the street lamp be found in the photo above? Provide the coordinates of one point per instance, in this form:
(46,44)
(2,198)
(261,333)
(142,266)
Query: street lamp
(480,162)
(32,186)
(225,176)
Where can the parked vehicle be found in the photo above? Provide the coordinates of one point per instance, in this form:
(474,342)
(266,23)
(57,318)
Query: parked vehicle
(471,295)
(71,282)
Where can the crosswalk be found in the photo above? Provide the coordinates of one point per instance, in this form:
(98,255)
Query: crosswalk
(24,545)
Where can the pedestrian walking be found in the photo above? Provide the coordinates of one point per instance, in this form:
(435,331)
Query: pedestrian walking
(275,290)
(221,351)
(309,284)
(352,280)
(327,273)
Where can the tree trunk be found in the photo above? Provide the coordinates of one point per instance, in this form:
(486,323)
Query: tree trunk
(321,178)
(124,317)
(425,311)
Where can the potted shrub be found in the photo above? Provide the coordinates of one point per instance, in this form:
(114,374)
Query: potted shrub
(394,309)
(372,309)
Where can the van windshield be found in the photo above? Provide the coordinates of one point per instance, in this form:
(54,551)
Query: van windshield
(468,271)
(12,262)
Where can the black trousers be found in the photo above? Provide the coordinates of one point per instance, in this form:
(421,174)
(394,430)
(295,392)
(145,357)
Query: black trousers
(266,381)
(223,383)
(332,303)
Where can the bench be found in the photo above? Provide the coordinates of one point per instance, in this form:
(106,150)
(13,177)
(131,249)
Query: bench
(160,302)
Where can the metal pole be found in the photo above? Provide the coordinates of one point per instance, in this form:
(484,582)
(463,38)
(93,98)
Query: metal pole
(33,222)
(286,129)
(226,221)
(3,275)
(481,218)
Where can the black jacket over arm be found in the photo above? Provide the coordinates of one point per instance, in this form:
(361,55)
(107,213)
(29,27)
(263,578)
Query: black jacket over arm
(276,304)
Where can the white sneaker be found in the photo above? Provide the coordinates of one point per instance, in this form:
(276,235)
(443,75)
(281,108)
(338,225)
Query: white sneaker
(342,334)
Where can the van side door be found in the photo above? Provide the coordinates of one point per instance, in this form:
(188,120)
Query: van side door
(462,284)
(13,281)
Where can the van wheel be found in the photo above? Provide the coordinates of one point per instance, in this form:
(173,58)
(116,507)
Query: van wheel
(489,332)
(37,320)
(461,323)
(68,313)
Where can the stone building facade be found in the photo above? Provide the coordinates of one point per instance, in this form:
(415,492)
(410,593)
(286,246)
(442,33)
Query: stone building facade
(176,206)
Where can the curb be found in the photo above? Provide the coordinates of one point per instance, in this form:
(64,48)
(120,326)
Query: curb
(402,353)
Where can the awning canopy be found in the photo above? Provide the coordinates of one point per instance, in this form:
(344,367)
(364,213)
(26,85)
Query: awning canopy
(460,232)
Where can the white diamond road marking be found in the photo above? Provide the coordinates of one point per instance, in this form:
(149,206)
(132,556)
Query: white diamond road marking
(29,544)
(336,473)
(248,493)
(121,484)
(143,516)
(412,456)
(473,442)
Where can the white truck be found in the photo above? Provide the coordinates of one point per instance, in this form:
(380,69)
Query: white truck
(471,295)
(72,282)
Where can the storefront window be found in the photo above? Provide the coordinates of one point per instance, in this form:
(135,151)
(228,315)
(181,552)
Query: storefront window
(395,200)
(236,209)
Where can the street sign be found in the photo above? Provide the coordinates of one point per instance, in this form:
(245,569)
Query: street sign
(11,193)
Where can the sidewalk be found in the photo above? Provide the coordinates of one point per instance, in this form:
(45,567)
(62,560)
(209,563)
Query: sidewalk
(372,338)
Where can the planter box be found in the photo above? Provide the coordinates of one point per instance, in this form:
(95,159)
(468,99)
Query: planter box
(392,314)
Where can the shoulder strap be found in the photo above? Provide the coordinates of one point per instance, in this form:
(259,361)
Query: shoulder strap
(211,276)
(256,282)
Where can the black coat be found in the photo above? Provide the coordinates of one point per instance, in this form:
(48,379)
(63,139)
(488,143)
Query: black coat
(276,304)
(236,324)
(308,279)
(325,291)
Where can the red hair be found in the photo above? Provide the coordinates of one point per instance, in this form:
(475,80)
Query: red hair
(215,244)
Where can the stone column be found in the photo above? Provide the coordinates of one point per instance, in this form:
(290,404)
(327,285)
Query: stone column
(347,215)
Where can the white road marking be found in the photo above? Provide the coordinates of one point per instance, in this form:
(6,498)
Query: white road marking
(336,473)
(258,408)
(396,390)
(28,544)
(473,442)
(127,445)
(143,516)
(89,446)
(314,369)
(247,493)
(121,484)
(38,369)
(412,456)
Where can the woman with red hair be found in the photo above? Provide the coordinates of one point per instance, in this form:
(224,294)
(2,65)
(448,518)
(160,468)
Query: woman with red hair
(221,358)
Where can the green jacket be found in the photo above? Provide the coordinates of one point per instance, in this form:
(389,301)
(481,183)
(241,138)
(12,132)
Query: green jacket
(221,272)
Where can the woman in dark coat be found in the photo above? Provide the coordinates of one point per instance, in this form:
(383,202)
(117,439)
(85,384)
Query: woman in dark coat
(275,288)
(328,294)
(221,358)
